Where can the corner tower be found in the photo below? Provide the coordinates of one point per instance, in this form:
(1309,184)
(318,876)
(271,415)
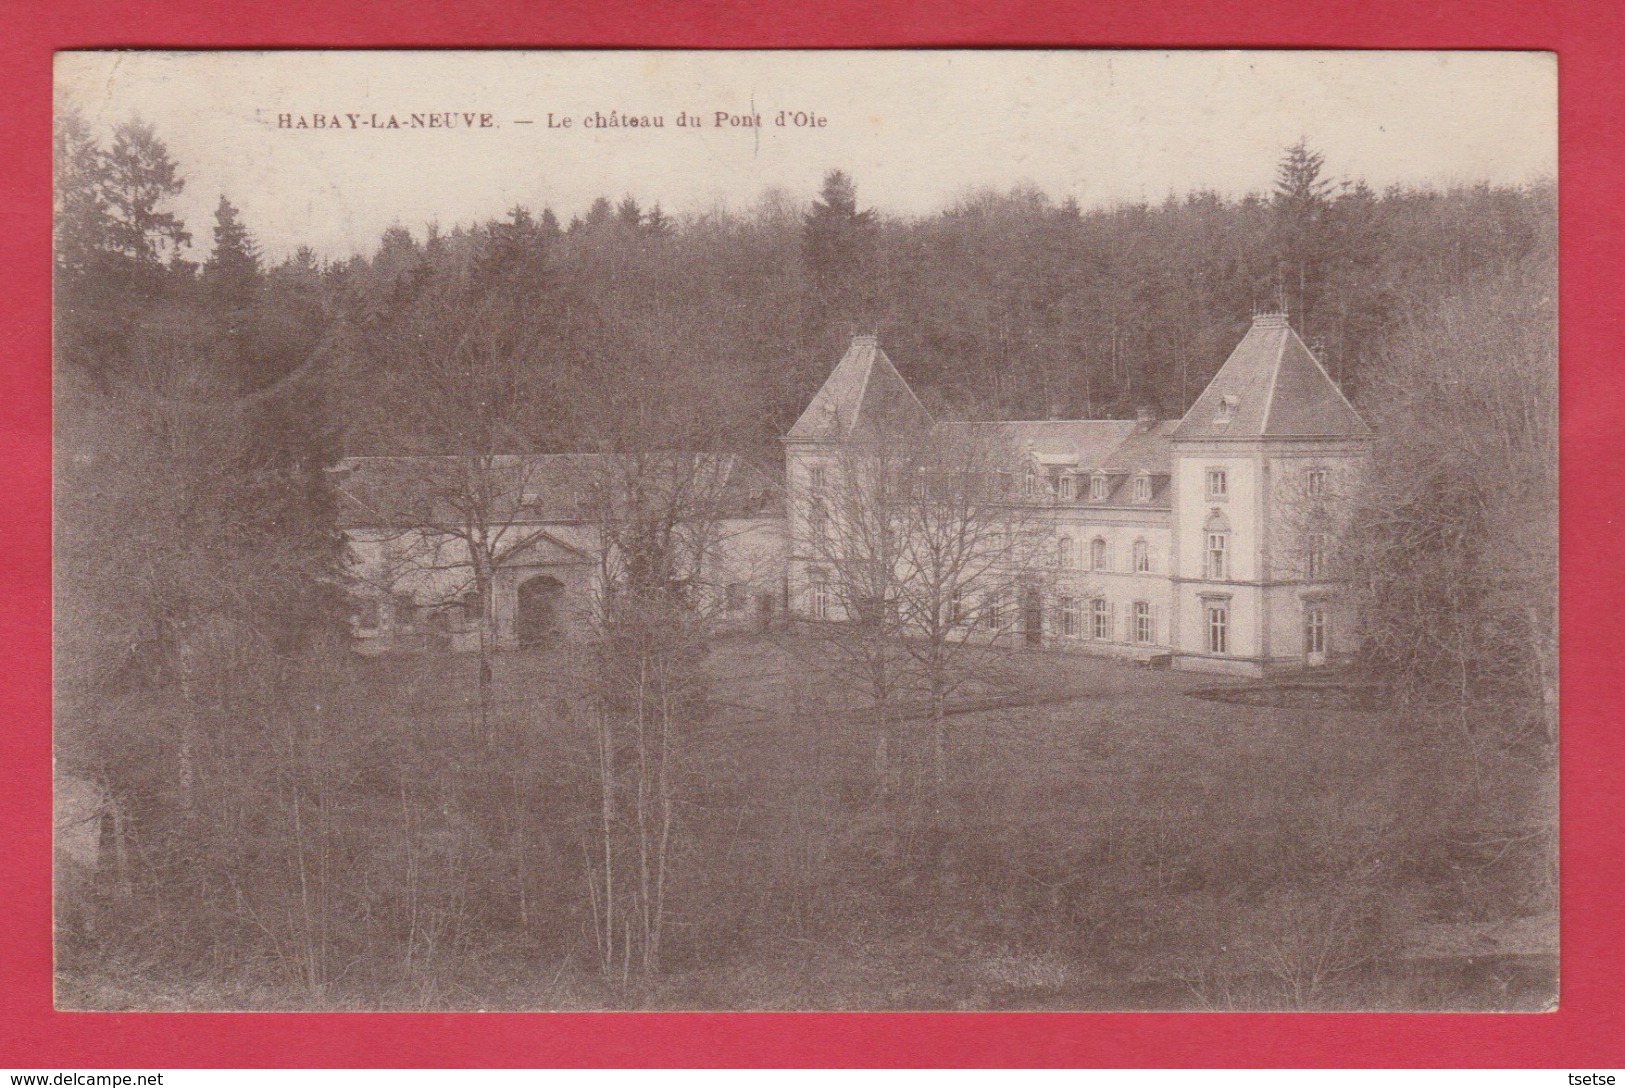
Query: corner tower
(863,396)
(1262,465)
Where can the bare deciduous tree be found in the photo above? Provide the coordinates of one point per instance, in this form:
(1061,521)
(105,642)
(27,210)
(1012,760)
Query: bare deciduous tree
(1453,557)
(673,512)
(474,353)
(935,555)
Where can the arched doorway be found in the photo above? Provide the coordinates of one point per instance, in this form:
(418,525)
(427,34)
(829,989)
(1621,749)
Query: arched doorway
(541,599)
(438,627)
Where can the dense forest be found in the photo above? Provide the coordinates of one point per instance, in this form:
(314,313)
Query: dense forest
(203,390)
(1007,304)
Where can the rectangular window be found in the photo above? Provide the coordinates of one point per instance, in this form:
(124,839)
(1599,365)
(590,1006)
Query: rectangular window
(956,605)
(1315,482)
(990,610)
(1142,489)
(818,521)
(734,597)
(1097,488)
(1218,484)
(1101,617)
(1218,627)
(815,477)
(1144,629)
(1142,557)
(1069,616)
(1314,631)
(405,611)
(1097,554)
(820,600)
(1218,556)
(1069,487)
(367,616)
(1315,560)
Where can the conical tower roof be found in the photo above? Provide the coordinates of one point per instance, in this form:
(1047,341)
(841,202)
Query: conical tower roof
(1272,386)
(864,393)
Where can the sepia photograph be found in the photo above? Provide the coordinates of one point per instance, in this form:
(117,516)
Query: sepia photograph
(811,530)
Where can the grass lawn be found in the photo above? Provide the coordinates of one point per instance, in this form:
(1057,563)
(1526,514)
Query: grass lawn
(1118,843)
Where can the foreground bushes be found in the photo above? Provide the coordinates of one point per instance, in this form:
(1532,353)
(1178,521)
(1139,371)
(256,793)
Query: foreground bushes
(1135,849)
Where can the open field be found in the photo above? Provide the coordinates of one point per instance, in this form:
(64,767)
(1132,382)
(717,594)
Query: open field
(1117,843)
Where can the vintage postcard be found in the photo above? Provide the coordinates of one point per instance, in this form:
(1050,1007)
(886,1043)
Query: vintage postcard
(847,530)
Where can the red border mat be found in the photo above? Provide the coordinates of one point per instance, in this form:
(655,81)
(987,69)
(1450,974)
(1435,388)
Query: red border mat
(1588,1029)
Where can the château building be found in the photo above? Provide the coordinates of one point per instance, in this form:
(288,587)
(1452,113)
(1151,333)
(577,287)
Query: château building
(1201,542)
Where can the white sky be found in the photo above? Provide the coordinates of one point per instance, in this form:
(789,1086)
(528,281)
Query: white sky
(915,129)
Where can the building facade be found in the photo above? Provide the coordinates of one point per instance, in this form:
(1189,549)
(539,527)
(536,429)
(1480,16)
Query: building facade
(1203,542)
(410,522)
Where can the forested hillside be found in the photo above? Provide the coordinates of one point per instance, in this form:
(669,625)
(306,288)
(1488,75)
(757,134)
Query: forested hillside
(1005,304)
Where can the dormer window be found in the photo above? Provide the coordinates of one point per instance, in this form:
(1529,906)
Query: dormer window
(1142,489)
(1097,488)
(1227,408)
(1031,486)
(1069,487)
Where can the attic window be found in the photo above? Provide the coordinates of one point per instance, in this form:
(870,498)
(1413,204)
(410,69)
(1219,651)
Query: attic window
(1097,488)
(1142,489)
(1227,408)
(1033,485)
(1069,487)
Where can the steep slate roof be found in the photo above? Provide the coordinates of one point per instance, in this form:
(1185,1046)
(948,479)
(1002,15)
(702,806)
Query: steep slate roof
(1279,389)
(396,492)
(1147,449)
(1122,448)
(864,391)
(1090,441)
